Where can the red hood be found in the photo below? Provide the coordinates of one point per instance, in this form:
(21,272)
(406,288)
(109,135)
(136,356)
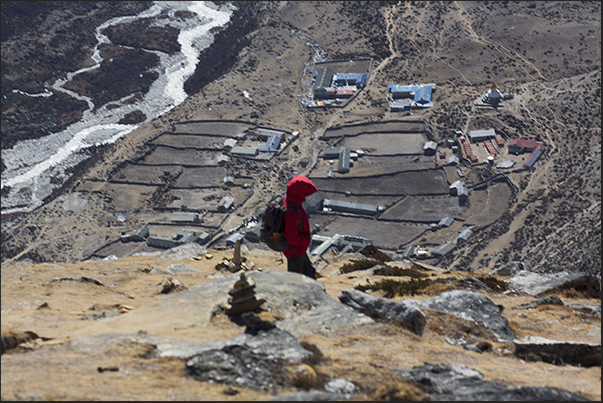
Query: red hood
(298,188)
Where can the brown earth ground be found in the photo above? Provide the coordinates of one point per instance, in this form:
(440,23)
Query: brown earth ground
(365,355)
(556,79)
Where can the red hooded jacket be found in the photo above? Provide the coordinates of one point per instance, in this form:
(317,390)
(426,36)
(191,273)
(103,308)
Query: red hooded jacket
(298,188)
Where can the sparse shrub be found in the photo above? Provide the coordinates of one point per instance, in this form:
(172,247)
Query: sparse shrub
(355,265)
(396,271)
(393,287)
(398,392)
(586,287)
(494,283)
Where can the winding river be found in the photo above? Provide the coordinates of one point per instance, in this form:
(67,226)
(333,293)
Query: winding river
(31,164)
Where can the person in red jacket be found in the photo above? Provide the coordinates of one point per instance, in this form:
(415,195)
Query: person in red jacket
(298,188)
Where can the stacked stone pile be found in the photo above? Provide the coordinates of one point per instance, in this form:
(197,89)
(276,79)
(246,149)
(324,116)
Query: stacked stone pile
(242,297)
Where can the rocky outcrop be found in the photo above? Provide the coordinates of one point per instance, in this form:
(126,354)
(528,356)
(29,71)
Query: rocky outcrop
(461,383)
(400,312)
(558,352)
(472,306)
(531,283)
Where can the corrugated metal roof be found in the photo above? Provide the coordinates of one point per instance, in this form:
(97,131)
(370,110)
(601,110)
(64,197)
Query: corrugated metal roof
(244,150)
(446,221)
(351,207)
(443,249)
(465,234)
(184,216)
(533,158)
(481,134)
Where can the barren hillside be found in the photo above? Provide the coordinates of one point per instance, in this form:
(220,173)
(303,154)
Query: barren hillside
(59,304)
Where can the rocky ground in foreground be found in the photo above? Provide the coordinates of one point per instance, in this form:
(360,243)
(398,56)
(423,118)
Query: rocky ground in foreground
(157,327)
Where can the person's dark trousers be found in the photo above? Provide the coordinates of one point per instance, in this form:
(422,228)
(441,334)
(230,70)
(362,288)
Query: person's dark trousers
(301,264)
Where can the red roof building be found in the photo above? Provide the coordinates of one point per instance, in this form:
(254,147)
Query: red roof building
(521,145)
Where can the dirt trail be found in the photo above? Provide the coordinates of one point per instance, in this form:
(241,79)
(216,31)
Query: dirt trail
(504,50)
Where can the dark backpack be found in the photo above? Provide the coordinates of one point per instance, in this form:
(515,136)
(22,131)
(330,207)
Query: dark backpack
(273,226)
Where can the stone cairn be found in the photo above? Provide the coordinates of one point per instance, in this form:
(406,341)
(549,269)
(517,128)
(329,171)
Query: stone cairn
(242,297)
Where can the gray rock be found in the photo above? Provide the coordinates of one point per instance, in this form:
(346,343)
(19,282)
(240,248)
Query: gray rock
(339,385)
(550,300)
(241,366)
(530,283)
(301,301)
(309,396)
(474,283)
(595,331)
(592,309)
(473,306)
(406,314)
(508,269)
(558,352)
(461,383)
(175,268)
(186,251)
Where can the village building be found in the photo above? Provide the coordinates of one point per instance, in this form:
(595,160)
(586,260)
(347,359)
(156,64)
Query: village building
(163,243)
(222,160)
(463,195)
(343,156)
(464,235)
(323,78)
(232,239)
(443,248)
(409,252)
(185,217)
(418,95)
(248,152)
(493,96)
(139,235)
(445,222)
(229,143)
(338,241)
(533,157)
(521,145)
(187,235)
(344,160)
(481,135)
(505,164)
(349,207)
(272,144)
(349,79)
(453,160)
(455,188)
(430,148)
(265,134)
(225,203)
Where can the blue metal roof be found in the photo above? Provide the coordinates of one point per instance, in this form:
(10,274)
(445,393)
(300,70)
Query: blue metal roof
(532,158)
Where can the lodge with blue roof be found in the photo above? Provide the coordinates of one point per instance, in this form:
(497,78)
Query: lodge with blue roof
(418,95)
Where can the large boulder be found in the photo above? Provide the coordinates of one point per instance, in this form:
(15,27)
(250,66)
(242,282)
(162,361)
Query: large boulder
(461,383)
(532,348)
(530,283)
(300,301)
(401,312)
(472,306)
